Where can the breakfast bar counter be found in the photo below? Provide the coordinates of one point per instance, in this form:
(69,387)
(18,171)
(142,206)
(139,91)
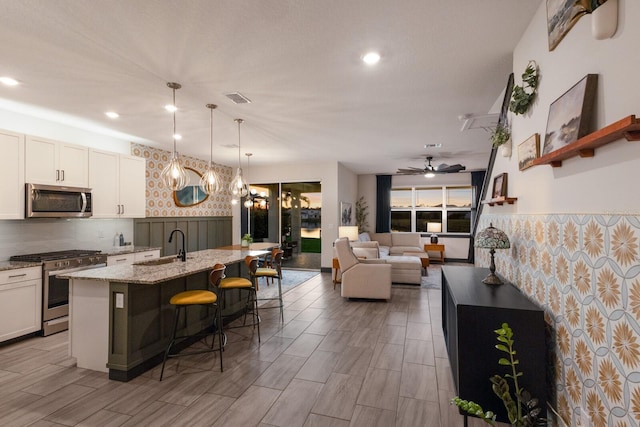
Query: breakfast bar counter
(120,316)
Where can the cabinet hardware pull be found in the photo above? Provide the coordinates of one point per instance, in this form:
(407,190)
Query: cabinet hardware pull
(57,174)
(148,256)
(122,209)
(62,173)
(17,275)
(118,209)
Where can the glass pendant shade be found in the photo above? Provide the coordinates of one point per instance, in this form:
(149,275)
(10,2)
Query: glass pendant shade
(238,186)
(210,181)
(174,176)
(248,203)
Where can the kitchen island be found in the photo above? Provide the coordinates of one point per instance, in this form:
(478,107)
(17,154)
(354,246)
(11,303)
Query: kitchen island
(120,316)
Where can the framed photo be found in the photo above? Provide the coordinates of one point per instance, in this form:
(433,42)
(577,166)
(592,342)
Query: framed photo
(345,213)
(528,151)
(499,186)
(561,17)
(571,115)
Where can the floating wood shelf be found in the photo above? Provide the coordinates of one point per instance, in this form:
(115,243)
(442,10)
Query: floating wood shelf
(500,201)
(628,128)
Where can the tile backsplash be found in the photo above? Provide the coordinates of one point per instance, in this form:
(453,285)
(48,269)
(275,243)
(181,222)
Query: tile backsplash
(584,271)
(18,237)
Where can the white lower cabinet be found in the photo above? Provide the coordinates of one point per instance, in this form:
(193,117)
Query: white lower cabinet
(20,302)
(146,255)
(130,258)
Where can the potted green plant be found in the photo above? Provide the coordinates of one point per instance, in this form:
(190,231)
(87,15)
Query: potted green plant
(362,214)
(246,240)
(523,411)
(501,137)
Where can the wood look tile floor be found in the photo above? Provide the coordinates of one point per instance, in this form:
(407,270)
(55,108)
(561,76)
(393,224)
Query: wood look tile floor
(334,362)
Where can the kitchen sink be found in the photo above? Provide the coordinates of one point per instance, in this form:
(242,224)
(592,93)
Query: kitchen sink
(158,261)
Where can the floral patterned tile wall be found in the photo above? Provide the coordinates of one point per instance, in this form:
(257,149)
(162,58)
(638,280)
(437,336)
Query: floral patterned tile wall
(160,201)
(584,271)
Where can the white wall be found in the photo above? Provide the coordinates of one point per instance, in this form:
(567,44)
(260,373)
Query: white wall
(582,185)
(327,174)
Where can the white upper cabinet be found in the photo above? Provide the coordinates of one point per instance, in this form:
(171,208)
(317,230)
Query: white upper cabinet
(133,186)
(12,176)
(56,163)
(118,185)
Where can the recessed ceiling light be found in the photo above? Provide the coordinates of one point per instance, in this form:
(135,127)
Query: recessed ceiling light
(438,145)
(177,137)
(9,81)
(170,108)
(371,58)
(112,114)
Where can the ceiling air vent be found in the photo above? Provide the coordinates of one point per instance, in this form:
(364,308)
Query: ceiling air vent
(238,98)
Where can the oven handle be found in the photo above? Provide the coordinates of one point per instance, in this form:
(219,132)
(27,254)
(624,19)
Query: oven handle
(71,270)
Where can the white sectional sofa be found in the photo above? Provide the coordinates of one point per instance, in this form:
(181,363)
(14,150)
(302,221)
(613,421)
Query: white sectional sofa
(402,250)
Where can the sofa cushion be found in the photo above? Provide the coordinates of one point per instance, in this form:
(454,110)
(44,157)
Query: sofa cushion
(383,251)
(364,237)
(366,249)
(405,239)
(404,262)
(384,239)
(399,250)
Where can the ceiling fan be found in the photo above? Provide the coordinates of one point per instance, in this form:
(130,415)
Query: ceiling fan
(431,171)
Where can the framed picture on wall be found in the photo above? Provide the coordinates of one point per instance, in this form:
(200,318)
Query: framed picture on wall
(561,17)
(345,213)
(528,151)
(499,186)
(571,115)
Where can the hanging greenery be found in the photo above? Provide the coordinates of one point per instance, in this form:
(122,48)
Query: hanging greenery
(500,135)
(523,96)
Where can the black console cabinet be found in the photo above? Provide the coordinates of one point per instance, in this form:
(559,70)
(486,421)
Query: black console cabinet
(471,311)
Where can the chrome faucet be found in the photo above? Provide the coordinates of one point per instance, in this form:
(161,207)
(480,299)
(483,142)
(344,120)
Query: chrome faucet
(182,253)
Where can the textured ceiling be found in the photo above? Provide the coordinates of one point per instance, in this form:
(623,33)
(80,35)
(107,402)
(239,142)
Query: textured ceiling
(298,61)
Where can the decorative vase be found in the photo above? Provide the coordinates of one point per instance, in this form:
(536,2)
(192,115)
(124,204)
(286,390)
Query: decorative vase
(505,149)
(604,20)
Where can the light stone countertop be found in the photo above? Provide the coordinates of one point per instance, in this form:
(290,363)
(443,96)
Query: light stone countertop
(14,265)
(152,274)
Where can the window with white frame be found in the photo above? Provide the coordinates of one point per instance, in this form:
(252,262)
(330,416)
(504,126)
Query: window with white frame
(445,209)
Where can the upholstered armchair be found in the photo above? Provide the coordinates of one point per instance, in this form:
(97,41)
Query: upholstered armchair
(362,278)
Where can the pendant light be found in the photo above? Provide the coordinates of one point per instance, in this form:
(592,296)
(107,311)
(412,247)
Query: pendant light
(174,176)
(248,202)
(210,181)
(238,186)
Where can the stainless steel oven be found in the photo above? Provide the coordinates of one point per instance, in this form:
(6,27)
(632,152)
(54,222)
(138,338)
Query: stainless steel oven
(55,291)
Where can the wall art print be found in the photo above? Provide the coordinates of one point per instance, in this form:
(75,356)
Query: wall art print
(562,16)
(528,151)
(345,213)
(571,115)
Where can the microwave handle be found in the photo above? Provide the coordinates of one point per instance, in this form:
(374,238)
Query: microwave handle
(84,202)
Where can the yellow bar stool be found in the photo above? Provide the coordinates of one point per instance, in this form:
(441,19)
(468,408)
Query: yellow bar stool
(273,269)
(182,300)
(229,283)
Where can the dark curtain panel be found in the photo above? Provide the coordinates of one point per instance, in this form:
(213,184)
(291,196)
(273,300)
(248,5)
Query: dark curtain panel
(383,203)
(477,182)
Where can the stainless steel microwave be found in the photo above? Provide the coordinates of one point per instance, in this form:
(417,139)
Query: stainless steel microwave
(52,201)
